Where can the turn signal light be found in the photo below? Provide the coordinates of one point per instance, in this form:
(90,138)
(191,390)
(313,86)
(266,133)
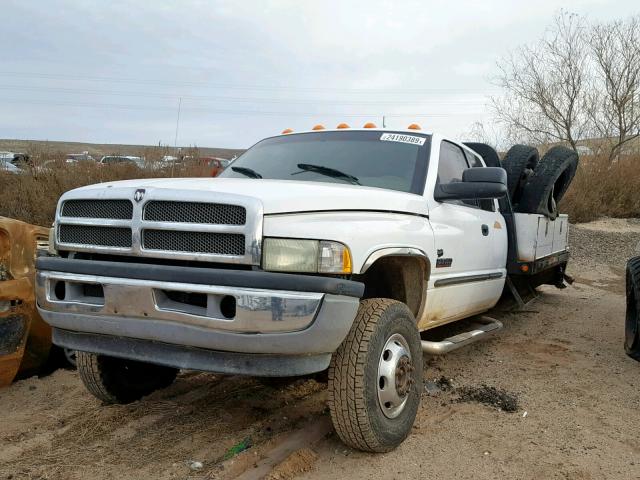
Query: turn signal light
(524,268)
(370,125)
(343,125)
(318,127)
(414,126)
(286,130)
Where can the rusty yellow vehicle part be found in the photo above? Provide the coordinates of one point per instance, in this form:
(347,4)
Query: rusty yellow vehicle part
(25,339)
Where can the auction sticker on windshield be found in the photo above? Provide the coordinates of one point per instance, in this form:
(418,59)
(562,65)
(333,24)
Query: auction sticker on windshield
(399,137)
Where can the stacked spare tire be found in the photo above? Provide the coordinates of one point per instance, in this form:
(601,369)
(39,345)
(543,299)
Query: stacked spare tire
(536,185)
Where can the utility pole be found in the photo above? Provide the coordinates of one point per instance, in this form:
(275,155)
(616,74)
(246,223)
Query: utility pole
(175,140)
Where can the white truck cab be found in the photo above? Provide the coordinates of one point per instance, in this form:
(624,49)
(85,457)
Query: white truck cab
(327,249)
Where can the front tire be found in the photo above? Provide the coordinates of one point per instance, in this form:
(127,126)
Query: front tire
(632,323)
(118,380)
(375,377)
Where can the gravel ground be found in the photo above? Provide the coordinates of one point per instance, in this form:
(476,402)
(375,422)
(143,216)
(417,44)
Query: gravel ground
(604,242)
(553,396)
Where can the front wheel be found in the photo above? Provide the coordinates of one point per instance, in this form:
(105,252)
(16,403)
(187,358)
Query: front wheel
(118,380)
(375,377)
(632,323)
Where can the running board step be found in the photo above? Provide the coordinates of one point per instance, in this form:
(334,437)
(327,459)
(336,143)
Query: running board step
(489,327)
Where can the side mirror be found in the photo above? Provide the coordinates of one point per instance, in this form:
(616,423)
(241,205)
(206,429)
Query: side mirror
(477,183)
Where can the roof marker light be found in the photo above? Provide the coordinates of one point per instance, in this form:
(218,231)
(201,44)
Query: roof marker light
(370,125)
(414,126)
(342,125)
(318,127)
(286,130)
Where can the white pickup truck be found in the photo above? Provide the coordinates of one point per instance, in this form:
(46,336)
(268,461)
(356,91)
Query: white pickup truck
(327,249)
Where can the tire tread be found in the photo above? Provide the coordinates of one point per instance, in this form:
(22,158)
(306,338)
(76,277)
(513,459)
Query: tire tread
(633,293)
(347,375)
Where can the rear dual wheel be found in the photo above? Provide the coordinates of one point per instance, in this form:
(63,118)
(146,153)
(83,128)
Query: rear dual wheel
(375,377)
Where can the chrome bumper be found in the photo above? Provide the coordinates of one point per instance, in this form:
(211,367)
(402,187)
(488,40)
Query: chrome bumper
(273,313)
(232,309)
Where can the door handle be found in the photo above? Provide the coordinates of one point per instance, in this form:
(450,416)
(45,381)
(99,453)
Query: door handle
(485,230)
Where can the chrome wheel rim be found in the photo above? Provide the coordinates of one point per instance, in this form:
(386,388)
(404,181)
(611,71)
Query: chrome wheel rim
(395,376)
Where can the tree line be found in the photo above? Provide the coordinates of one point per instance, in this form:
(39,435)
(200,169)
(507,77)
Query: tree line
(580,81)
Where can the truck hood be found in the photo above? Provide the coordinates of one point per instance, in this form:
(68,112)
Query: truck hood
(283,196)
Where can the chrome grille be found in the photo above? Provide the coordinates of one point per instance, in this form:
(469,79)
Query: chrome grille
(194,242)
(114,209)
(194,212)
(170,223)
(118,237)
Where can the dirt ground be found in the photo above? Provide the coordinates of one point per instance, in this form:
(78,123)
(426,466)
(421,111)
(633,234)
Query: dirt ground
(559,365)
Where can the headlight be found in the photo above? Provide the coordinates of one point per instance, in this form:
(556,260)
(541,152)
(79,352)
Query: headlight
(307,256)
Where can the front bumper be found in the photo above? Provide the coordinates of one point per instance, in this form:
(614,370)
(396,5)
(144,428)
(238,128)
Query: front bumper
(277,314)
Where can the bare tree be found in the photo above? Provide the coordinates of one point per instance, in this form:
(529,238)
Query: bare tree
(545,85)
(490,134)
(614,105)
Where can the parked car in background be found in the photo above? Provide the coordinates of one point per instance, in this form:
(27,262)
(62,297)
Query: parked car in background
(170,159)
(15,158)
(226,162)
(122,159)
(78,157)
(213,165)
(7,166)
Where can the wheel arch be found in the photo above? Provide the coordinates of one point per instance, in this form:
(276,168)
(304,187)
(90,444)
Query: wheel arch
(398,273)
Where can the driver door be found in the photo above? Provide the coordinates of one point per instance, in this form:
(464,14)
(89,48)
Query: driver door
(470,242)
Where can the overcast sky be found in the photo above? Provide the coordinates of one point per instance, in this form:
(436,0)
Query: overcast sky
(114,71)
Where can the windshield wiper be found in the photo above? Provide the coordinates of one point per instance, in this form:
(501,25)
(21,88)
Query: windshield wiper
(247,172)
(328,171)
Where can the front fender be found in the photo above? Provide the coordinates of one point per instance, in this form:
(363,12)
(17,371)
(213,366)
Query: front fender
(369,235)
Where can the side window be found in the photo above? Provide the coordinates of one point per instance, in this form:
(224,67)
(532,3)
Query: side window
(450,167)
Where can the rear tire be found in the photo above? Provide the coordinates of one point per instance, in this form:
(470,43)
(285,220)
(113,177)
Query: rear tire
(519,163)
(632,323)
(488,153)
(375,377)
(549,182)
(117,380)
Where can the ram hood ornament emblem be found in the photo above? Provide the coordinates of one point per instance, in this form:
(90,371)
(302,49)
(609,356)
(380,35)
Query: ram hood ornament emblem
(139,195)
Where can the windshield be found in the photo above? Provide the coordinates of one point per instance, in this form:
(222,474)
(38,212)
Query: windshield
(395,161)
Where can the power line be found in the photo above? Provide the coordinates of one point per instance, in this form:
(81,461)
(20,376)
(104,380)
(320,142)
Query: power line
(81,91)
(235,86)
(231,112)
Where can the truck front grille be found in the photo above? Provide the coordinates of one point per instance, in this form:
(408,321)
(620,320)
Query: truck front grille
(114,209)
(194,242)
(162,223)
(194,212)
(118,237)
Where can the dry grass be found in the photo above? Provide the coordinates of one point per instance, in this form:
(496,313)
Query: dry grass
(602,189)
(32,196)
(599,188)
